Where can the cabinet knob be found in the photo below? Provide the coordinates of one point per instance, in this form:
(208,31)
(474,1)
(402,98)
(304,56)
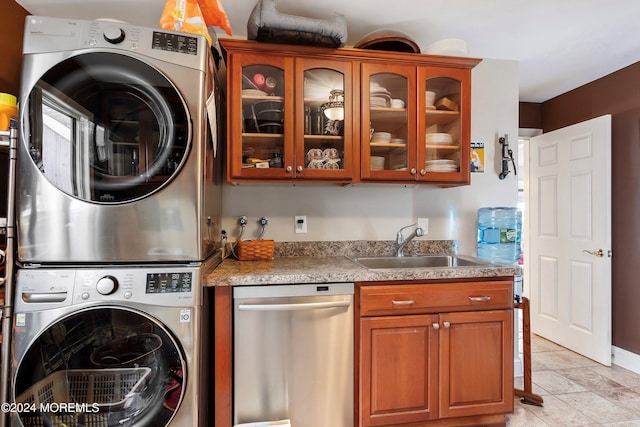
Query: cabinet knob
(299,168)
(446,324)
(436,326)
(413,171)
(423,172)
(289,169)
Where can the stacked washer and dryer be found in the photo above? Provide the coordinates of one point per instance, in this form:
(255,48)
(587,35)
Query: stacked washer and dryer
(118,214)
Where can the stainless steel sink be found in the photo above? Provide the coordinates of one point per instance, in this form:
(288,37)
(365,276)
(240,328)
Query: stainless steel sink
(421,261)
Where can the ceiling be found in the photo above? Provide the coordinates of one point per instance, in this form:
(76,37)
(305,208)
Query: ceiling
(559,44)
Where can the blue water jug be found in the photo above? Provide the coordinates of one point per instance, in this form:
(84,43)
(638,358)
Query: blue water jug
(499,234)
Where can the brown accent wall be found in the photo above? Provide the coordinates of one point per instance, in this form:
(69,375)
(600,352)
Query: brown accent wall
(617,94)
(530,115)
(12,23)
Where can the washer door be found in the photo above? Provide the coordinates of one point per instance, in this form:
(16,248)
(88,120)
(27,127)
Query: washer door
(106,127)
(107,366)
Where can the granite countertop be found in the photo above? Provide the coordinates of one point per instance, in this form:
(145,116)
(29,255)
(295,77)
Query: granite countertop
(327,262)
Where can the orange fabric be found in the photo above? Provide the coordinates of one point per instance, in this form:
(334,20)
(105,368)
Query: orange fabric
(214,15)
(184,15)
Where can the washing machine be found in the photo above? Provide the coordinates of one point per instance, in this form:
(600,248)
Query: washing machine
(110,347)
(119,151)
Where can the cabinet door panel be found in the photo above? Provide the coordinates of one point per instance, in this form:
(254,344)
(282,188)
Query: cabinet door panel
(445,126)
(324,142)
(261,135)
(476,363)
(399,362)
(388,130)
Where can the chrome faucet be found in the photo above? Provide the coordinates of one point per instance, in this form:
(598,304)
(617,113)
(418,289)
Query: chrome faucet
(401,242)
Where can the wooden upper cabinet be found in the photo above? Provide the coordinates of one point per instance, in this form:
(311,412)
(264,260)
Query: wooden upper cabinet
(278,128)
(404,117)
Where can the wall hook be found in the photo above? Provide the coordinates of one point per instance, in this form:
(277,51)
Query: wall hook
(507,155)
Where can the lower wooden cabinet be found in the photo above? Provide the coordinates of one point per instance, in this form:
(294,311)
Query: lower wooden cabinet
(399,365)
(420,364)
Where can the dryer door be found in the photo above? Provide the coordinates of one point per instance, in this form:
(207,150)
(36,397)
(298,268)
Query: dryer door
(101,366)
(106,127)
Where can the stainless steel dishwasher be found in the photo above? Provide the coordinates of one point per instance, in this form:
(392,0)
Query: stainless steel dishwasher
(293,354)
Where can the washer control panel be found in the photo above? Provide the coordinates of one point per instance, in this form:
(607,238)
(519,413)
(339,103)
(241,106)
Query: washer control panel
(46,288)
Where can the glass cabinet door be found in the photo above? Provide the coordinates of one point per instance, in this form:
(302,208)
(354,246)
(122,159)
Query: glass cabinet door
(324,119)
(388,122)
(444,134)
(261,134)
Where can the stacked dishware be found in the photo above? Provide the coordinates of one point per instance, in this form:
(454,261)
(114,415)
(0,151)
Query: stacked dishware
(438,138)
(441,165)
(377,163)
(254,92)
(380,96)
(381,137)
(448,47)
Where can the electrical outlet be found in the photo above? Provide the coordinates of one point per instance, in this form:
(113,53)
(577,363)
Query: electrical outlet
(424,224)
(300,223)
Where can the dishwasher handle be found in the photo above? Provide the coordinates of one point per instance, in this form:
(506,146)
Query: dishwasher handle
(294,306)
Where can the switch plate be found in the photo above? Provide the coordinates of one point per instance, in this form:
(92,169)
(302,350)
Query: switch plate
(300,224)
(424,224)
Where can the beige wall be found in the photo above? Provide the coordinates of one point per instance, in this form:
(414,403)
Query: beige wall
(377,211)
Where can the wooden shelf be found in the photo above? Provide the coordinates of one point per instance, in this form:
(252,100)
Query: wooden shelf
(441,117)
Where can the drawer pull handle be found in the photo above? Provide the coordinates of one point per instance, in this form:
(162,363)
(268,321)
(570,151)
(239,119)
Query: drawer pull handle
(436,326)
(446,324)
(405,302)
(479,298)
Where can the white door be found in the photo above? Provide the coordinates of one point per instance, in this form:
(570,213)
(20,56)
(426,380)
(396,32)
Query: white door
(569,194)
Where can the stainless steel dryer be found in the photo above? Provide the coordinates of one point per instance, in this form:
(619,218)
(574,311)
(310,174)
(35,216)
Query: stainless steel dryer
(102,348)
(117,160)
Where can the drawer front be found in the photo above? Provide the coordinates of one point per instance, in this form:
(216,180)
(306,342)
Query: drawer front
(389,299)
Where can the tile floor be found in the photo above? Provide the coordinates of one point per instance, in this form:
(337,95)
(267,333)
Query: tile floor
(576,391)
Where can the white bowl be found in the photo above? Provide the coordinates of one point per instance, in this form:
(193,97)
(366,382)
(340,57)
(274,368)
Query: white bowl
(430,97)
(448,47)
(397,103)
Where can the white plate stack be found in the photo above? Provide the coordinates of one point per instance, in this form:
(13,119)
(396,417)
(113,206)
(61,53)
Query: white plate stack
(441,165)
(448,47)
(438,138)
(381,137)
(376,163)
(380,96)
(254,92)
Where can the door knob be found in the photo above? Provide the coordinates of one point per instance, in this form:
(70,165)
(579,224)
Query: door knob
(598,252)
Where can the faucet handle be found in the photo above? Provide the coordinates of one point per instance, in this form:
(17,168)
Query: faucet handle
(400,236)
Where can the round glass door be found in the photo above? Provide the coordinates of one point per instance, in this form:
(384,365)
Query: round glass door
(102,367)
(106,127)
